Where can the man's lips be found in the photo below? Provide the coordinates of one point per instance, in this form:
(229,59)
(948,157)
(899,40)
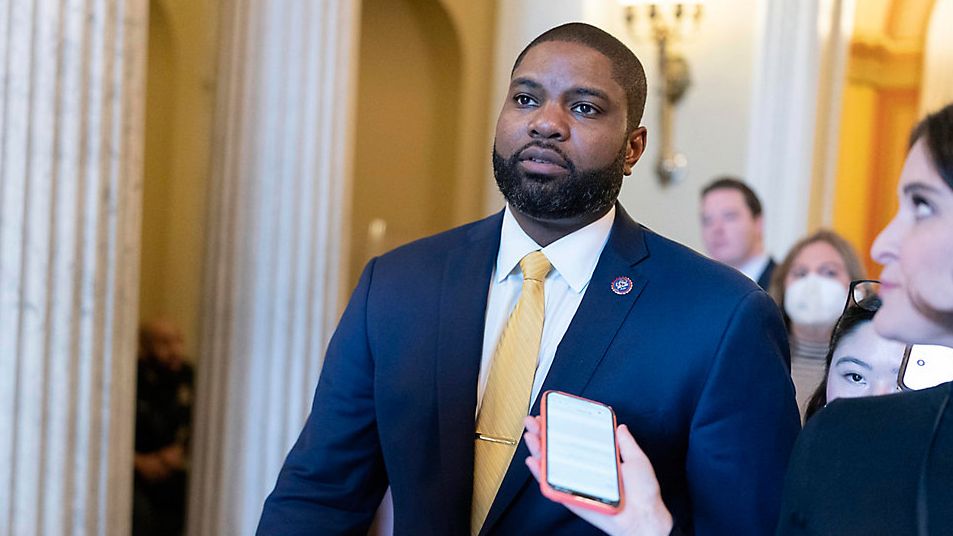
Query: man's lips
(541,160)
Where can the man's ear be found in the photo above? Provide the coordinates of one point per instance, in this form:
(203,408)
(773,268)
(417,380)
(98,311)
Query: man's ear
(634,147)
(759,225)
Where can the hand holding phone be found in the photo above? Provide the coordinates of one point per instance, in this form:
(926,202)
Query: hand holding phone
(580,462)
(642,513)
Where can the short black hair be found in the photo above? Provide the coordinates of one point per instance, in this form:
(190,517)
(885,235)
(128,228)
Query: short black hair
(937,131)
(626,68)
(728,182)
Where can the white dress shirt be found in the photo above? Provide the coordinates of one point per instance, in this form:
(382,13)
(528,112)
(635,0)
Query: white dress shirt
(755,267)
(574,258)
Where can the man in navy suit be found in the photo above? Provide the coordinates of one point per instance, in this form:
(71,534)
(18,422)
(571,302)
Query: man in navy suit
(690,354)
(733,228)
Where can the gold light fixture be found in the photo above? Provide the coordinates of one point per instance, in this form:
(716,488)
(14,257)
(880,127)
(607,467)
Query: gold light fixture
(667,22)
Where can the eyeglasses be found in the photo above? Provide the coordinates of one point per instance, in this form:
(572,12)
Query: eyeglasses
(864,293)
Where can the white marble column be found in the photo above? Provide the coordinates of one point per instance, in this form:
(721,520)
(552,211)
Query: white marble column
(795,114)
(279,203)
(70,201)
(937,88)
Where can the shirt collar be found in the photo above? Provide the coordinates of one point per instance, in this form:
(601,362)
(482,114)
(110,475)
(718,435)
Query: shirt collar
(755,266)
(573,256)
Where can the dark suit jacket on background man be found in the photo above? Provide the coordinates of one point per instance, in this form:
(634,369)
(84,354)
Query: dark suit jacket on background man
(764,280)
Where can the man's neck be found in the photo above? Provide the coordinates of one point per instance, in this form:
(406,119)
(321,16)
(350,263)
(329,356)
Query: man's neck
(545,232)
(755,254)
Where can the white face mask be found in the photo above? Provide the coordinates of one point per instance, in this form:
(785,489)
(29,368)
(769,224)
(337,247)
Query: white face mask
(815,300)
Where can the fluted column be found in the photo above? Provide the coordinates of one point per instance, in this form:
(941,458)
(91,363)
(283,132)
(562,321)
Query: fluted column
(795,114)
(278,195)
(937,88)
(70,200)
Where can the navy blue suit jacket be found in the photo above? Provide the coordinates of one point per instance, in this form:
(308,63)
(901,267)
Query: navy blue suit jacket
(694,360)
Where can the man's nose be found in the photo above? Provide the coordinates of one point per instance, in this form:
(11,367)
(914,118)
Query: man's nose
(549,122)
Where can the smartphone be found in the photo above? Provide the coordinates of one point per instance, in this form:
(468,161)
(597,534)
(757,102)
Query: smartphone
(925,366)
(580,458)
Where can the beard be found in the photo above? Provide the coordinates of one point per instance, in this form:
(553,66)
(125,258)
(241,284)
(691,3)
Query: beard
(573,194)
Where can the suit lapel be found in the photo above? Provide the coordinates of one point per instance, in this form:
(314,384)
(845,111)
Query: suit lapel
(463,297)
(594,326)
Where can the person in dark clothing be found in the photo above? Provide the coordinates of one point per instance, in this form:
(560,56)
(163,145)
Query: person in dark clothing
(163,423)
(884,465)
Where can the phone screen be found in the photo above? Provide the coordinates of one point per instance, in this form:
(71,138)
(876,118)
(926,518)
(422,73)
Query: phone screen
(925,366)
(581,448)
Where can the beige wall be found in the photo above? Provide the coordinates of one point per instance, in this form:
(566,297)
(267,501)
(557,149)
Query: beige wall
(421,138)
(475,24)
(178,113)
(421,152)
(711,124)
(937,86)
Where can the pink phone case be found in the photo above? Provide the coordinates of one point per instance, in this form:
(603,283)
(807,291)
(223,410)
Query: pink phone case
(569,498)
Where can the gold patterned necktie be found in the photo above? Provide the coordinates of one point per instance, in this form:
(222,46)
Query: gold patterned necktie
(507,395)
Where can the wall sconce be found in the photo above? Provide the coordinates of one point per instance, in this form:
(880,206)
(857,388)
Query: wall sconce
(666,22)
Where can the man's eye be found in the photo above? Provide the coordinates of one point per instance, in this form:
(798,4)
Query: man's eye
(523,99)
(585,108)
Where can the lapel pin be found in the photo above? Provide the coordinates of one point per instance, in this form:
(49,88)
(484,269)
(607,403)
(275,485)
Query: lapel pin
(621,285)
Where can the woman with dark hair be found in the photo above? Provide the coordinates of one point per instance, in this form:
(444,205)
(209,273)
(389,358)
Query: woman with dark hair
(884,465)
(872,465)
(859,362)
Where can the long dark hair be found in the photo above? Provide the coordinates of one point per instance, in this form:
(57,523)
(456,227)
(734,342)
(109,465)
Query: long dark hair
(854,317)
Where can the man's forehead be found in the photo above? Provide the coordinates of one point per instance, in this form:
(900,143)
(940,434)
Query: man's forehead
(587,66)
(725,194)
(726,201)
(567,47)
